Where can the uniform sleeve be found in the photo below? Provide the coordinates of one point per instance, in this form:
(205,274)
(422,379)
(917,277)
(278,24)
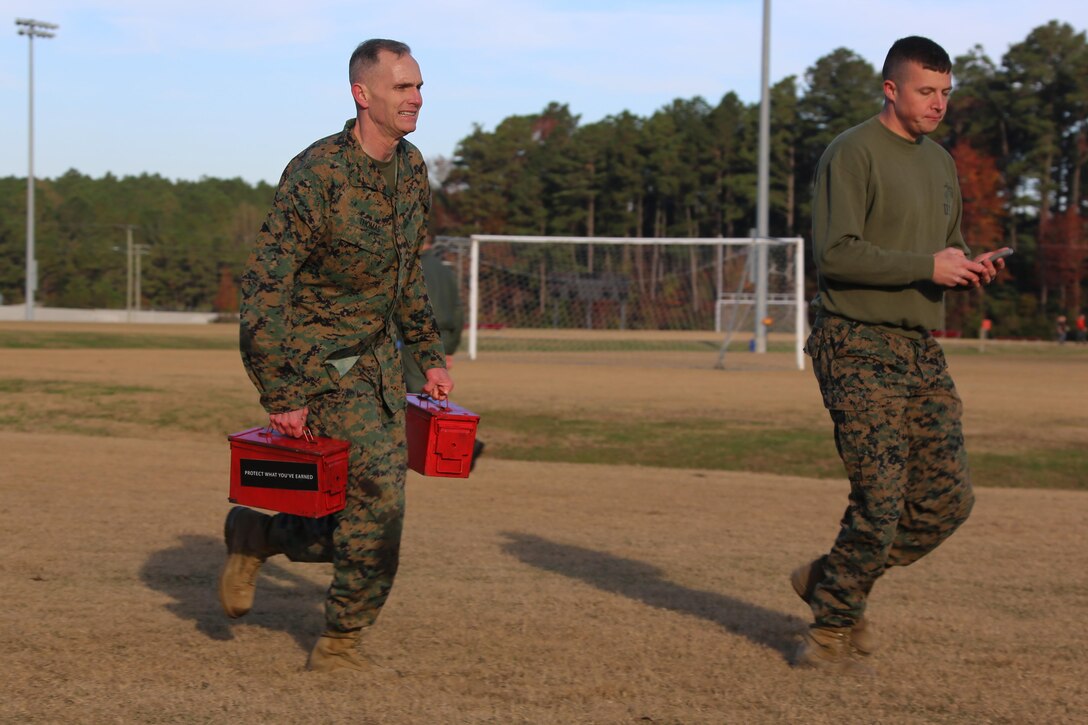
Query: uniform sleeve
(285,241)
(414,315)
(840,199)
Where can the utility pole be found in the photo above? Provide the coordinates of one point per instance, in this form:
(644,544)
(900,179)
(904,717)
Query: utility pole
(140,250)
(31,29)
(763,183)
(128,277)
(130,254)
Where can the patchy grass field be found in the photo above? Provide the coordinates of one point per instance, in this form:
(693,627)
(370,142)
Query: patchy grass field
(619,555)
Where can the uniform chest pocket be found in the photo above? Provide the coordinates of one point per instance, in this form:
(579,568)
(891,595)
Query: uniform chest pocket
(358,261)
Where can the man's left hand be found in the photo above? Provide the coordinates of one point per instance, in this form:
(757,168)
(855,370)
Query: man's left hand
(439,383)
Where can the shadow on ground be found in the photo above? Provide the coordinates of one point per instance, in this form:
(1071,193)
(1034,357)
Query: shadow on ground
(646,583)
(189,573)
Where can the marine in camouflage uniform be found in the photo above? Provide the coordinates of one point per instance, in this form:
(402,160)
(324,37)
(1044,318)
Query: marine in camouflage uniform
(887,243)
(335,268)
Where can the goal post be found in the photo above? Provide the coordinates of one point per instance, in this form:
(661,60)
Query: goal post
(606,288)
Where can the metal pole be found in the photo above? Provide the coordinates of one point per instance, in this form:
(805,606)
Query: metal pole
(128,277)
(473,297)
(139,269)
(31,29)
(719,286)
(762,209)
(31,261)
(141,249)
(801,318)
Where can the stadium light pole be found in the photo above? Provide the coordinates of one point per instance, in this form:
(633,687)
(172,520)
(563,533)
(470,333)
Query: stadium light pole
(31,29)
(763,184)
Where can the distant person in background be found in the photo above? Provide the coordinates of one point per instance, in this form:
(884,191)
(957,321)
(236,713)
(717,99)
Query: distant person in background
(445,295)
(1061,329)
(984,331)
(887,244)
(1082,328)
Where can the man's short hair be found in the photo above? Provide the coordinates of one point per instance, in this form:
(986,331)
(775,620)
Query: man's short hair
(916,49)
(366,54)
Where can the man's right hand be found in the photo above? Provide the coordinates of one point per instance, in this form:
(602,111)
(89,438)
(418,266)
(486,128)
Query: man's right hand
(290,423)
(952,268)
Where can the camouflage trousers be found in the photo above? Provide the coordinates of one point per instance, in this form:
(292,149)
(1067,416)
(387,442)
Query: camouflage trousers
(897,429)
(363,540)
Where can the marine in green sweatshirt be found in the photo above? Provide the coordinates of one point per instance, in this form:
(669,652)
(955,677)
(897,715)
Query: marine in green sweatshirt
(886,241)
(882,207)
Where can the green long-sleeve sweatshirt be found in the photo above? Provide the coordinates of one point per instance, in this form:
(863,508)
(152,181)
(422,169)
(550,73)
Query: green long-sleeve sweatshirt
(882,207)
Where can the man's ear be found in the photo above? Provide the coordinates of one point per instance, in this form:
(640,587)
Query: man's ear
(361,94)
(890,90)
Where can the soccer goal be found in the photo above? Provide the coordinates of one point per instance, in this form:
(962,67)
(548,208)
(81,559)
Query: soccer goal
(585,294)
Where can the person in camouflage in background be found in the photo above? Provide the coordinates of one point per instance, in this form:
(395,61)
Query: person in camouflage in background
(449,314)
(887,244)
(334,268)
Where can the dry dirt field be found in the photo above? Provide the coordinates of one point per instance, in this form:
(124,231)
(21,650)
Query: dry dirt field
(528,593)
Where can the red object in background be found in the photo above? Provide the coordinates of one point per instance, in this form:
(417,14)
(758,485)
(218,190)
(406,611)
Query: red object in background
(440,437)
(305,476)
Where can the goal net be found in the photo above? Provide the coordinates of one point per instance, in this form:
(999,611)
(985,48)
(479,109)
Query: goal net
(696,298)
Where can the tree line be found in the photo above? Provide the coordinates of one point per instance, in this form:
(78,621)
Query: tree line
(195,234)
(1017,127)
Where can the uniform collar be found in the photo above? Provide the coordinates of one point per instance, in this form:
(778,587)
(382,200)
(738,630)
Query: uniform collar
(362,171)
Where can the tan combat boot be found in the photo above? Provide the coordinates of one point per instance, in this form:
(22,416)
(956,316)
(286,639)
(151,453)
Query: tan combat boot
(804,582)
(247,548)
(336,651)
(831,649)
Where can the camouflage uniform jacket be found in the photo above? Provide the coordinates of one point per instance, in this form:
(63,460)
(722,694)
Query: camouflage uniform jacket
(335,266)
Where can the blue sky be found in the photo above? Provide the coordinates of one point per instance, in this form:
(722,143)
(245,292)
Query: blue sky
(235,88)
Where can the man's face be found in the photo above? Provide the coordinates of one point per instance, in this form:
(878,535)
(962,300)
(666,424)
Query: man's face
(919,99)
(392,93)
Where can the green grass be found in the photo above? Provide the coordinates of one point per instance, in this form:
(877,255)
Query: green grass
(689,443)
(106,409)
(68,406)
(43,339)
(69,388)
(62,406)
(716,445)
(1056,468)
(35,340)
(48,340)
